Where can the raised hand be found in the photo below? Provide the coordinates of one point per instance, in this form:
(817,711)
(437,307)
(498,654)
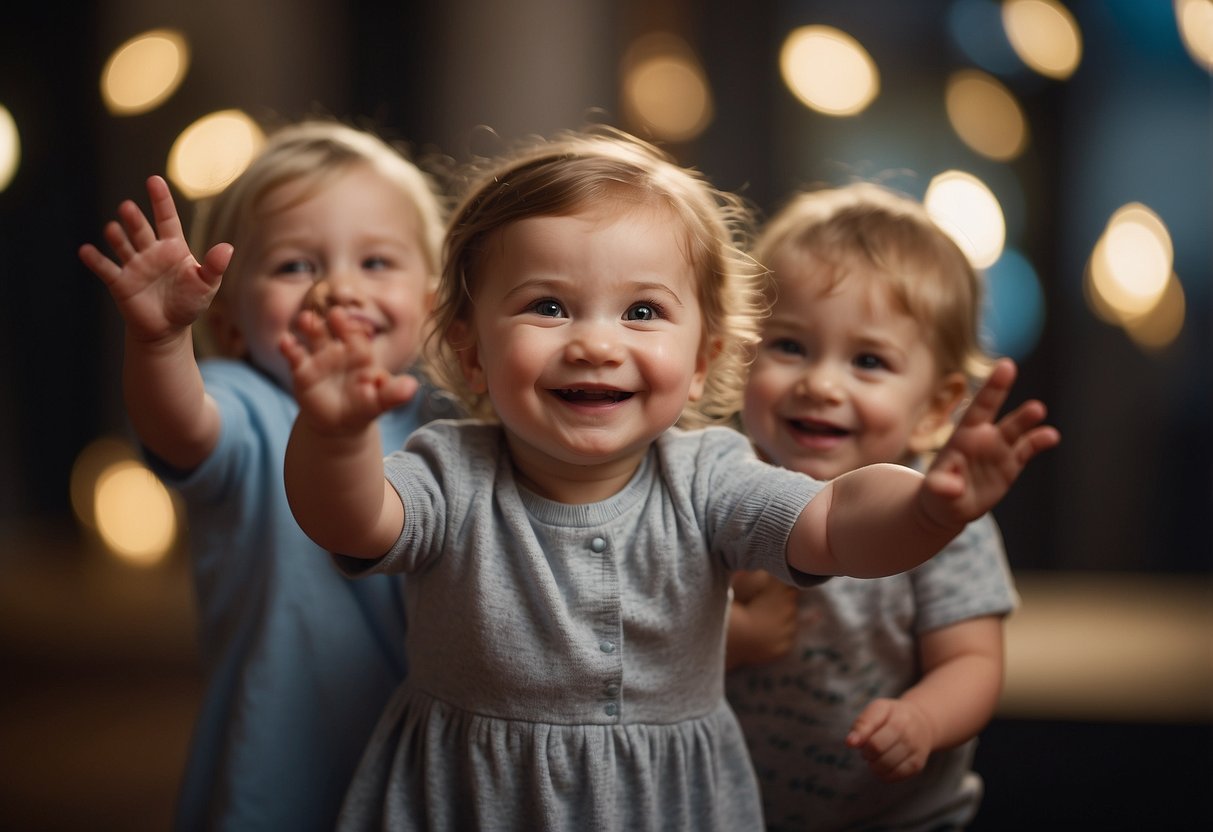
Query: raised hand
(983,457)
(339,387)
(894,737)
(158,286)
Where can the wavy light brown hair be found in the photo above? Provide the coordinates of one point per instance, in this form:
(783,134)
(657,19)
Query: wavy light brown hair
(891,241)
(563,175)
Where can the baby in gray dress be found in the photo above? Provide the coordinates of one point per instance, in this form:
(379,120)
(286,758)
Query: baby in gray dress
(570,552)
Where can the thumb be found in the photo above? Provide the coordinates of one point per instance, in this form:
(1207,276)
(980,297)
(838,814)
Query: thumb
(216,261)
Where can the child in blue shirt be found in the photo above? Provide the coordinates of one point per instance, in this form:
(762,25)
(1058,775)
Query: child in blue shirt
(299,660)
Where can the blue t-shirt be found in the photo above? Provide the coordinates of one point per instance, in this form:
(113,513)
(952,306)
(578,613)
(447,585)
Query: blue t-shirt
(299,660)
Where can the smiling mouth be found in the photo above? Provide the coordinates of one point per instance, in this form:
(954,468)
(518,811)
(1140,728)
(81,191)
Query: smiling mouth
(811,428)
(579,396)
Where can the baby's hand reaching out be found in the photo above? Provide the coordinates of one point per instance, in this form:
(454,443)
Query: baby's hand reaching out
(159,288)
(983,458)
(894,736)
(339,386)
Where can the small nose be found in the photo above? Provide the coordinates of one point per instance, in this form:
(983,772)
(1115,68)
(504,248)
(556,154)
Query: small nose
(593,342)
(334,288)
(821,383)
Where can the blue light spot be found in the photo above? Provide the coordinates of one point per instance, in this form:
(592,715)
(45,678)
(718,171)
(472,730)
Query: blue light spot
(976,29)
(1014,308)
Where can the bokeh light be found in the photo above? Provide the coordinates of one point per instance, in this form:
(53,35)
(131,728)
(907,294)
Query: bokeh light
(665,88)
(1163,323)
(986,115)
(1014,310)
(967,211)
(1195,20)
(213,151)
(1045,36)
(143,72)
(116,496)
(828,70)
(1130,264)
(135,514)
(10,147)
(86,470)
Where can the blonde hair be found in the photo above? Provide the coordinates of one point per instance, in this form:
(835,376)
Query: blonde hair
(561,176)
(310,153)
(889,238)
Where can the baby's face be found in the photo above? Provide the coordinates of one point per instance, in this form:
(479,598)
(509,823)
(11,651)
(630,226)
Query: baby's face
(842,379)
(355,242)
(588,336)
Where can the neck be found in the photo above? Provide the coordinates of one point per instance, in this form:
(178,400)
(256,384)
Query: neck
(572,483)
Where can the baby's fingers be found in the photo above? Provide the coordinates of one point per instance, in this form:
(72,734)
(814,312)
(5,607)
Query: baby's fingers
(313,329)
(395,391)
(119,243)
(871,720)
(164,210)
(992,395)
(215,263)
(1022,429)
(135,226)
(99,264)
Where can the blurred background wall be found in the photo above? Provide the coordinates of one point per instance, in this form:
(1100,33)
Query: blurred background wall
(1109,706)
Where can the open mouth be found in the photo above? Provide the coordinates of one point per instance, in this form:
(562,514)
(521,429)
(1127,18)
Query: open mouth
(579,396)
(810,427)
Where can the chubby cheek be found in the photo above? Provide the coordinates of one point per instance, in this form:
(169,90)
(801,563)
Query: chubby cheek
(763,393)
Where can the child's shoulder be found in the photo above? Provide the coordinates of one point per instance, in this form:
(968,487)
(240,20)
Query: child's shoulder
(715,439)
(458,436)
(241,381)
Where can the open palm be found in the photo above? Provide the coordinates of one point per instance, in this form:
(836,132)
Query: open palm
(156,283)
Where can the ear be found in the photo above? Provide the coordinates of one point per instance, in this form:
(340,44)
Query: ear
(707,354)
(935,424)
(224,331)
(459,338)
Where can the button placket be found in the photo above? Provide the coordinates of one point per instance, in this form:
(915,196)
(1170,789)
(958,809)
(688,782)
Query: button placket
(608,630)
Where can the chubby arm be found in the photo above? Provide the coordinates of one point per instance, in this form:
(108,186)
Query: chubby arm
(884,519)
(160,291)
(334,459)
(954,700)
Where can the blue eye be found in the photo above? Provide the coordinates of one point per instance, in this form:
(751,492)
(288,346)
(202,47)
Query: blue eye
(868,361)
(548,308)
(376,263)
(642,312)
(786,346)
(291,267)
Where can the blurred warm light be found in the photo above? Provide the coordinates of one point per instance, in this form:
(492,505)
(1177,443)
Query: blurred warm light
(143,72)
(1195,19)
(1045,36)
(1014,311)
(1130,264)
(665,88)
(1105,646)
(967,211)
(829,70)
(986,116)
(91,462)
(10,147)
(1163,323)
(212,152)
(134,512)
